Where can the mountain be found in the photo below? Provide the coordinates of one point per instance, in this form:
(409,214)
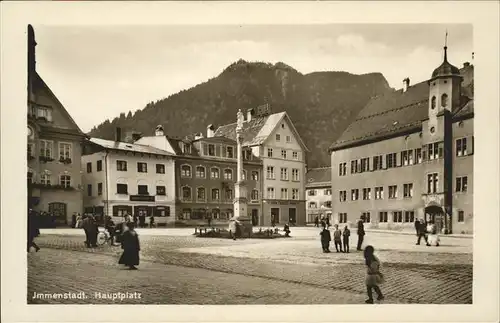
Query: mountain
(320,104)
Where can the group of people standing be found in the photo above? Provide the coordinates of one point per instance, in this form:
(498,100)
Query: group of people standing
(340,238)
(428,231)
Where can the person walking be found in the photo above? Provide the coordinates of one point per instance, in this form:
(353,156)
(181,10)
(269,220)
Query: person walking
(326,237)
(111,228)
(417,226)
(373,275)
(327,221)
(337,238)
(361,233)
(345,235)
(33,231)
(131,248)
(316,221)
(422,228)
(85,226)
(433,238)
(152,221)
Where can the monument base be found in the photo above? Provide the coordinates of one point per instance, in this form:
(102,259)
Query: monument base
(246,226)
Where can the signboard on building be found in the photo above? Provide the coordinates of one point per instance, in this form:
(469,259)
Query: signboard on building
(142,198)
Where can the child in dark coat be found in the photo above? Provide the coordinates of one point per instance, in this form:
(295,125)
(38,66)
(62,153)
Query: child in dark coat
(345,235)
(131,247)
(326,237)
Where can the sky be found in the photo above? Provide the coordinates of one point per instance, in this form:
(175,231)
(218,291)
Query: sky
(98,72)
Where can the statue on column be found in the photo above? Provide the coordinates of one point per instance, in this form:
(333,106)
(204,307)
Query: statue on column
(239,120)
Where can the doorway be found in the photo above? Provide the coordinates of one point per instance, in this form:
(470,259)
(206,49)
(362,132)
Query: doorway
(435,214)
(292,216)
(255,217)
(275,215)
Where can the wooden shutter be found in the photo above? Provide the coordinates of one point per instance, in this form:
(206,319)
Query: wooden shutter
(384,161)
(223,148)
(424,153)
(205,149)
(470,144)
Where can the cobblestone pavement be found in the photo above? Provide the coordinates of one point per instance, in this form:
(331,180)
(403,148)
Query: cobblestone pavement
(428,276)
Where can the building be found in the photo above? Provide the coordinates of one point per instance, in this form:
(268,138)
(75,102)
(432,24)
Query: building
(205,175)
(318,193)
(409,155)
(273,139)
(127,178)
(53,149)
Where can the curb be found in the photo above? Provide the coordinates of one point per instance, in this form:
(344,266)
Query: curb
(458,236)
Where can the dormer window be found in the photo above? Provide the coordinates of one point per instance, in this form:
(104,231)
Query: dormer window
(186,148)
(43,112)
(444,100)
(433,102)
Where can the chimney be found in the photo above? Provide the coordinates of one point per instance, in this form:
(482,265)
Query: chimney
(197,136)
(210,131)
(249,114)
(466,64)
(118,134)
(406,84)
(159,130)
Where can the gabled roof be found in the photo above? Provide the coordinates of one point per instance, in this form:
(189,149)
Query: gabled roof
(123,146)
(258,129)
(321,176)
(399,112)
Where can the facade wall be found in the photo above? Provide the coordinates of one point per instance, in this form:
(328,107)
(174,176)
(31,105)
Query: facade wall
(318,204)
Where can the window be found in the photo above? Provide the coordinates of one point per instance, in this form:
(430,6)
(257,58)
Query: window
(295,155)
(244,175)
(328,204)
(214,172)
(142,190)
(185,171)
(229,194)
(435,150)
(284,193)
(99,165)
(89,167)
(343,196)
(121,189)
(367,193)
(43,112)
(284,174)
(247,154)
(283,153)
(65,181)
(288,139)
(229,152)
(354,166)
(121,165)
(407,157)
(397,217)
(409,216)
(270,192)
(30,176)
(295,193)
(342,169)
(215,194)
(278,137)
(64,150)
(254,196)
(311,192)
(366,217)
(160,169)
(365,164)
(432,183)
(382,217)
(418,155)
(269,152)
(313,205)
(327,192)
(46,148)
(200,171)
(186,148)
(211,150)
(379,193)
(408,190)
(160,190)
(461,217)
(99,188)
(270,172)
(89,189)
(295,174)
(185,215)
(186,193)
(433,102)
(31,148)
(390,160)
(142,167)
(444,100)
(200,194)
(461,184)
(342,217)
(393,191)
(45,179)
(228,174)
(354,194)
(255,175)
(461,147)
(377,162)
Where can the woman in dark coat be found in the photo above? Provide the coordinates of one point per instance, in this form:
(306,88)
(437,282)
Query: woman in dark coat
(131,248)
(33,231)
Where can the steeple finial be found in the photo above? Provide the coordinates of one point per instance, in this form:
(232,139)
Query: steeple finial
(446,46)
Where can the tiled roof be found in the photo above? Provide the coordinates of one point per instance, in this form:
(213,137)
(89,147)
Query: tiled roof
(398,112)
(319,176)
(109,144)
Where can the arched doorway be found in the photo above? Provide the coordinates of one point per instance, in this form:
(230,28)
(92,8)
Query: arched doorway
(435,214)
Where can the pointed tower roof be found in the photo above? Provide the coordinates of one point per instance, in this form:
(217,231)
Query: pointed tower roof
(445,69)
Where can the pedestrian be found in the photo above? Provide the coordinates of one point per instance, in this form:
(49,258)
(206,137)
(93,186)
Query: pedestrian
(142,219)
(273,220)
(73,220)
(422,228)
(373,275)
(361,233)
(316,221)
(326,237)
(417,226)
(209,220)
(33,231)
(327,221)
(433,238)
(337,238)
(151,221)
(346,234)
(131,248)
(85,226)
(79,219)
(286,229)
(91,230)
(111,228)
